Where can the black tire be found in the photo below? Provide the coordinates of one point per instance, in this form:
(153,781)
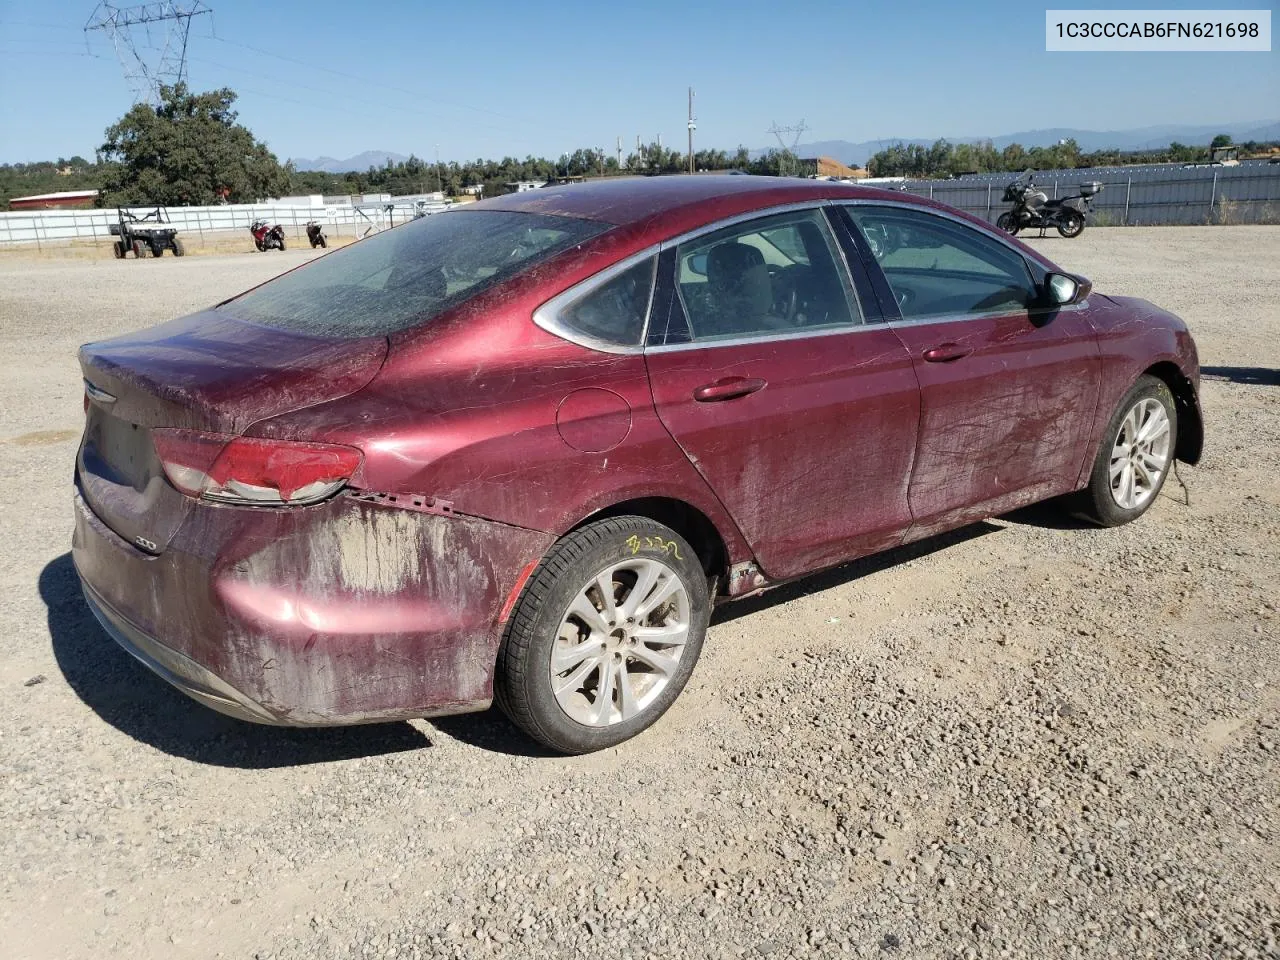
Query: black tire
(1071,224)
(138,248)
(281,242)
(117,248)
(522,681)
(157,251)
(260,245)
(322,241)
(1008,223)
(178,249)
(1096,502)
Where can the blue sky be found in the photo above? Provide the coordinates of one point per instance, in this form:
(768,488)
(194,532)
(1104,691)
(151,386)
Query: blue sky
(517,78)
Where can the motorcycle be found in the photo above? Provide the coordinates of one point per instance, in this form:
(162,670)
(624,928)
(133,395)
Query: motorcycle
(267,235)
(315,233)
(1033,208)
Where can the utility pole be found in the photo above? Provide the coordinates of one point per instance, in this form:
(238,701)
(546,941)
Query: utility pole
(619,153)
(439,179)
(692,127)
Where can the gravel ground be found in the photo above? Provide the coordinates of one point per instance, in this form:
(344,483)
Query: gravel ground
(1024,739)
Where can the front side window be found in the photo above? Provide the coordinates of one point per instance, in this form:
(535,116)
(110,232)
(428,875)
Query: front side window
(777,274)
(409,275)
(937,267)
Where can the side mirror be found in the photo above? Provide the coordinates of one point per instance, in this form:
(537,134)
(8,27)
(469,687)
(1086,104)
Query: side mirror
(1062,289)
(698,264)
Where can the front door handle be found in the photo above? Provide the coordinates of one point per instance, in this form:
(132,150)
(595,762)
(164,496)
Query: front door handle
(730,388)
(946,352)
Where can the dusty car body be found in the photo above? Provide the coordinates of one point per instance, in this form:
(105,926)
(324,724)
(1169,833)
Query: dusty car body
(464,450)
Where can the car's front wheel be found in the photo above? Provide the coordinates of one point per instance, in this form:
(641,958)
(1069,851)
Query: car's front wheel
(604,636)
(1135,457)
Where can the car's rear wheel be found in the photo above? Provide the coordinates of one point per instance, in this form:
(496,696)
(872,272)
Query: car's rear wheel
(604,636)
(1135,457)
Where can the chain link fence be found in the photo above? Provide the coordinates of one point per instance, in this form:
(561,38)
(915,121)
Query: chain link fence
(1132,196)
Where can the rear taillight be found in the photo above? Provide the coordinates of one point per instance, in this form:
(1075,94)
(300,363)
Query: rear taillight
(252,470)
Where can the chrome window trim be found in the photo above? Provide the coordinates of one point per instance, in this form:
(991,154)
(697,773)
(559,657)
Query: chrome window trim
(547,316)
(846,281)
(986,314)
(738,218)
(768,337)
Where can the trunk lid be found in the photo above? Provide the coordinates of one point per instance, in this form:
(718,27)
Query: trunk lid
(204,372)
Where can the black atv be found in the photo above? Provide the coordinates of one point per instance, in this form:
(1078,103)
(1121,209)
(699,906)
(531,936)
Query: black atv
(147,235)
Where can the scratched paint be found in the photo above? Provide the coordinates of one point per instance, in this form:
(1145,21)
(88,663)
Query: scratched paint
(341,613)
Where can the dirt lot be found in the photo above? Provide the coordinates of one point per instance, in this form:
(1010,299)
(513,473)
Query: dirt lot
(1025,739)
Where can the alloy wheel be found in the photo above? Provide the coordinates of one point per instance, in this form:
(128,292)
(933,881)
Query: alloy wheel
(1140,454)
(620,641)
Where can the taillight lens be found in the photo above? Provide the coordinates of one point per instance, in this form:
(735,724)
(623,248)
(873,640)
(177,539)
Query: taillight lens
(253,470)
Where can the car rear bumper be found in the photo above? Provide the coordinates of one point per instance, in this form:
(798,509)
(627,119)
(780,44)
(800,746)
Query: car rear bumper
(180,670)
(350,611)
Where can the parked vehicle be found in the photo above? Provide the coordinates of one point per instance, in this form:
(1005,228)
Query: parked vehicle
(315,234)
(363,491)
(1033,208)
(267,235)
(149,234)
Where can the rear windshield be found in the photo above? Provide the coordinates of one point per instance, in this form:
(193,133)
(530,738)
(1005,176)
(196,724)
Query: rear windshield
(407,276)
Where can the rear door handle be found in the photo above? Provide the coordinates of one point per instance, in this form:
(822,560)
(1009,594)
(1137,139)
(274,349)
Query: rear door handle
(946,352)
(730,388)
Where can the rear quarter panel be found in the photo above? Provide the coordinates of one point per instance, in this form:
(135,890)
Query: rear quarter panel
(510,423)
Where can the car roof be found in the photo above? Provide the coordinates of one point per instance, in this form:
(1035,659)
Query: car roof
(630,200)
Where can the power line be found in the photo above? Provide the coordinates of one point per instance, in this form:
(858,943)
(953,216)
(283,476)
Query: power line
(417,94)
(786,161)
(121,24)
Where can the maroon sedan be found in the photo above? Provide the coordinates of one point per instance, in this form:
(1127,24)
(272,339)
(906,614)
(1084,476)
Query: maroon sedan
(519,451)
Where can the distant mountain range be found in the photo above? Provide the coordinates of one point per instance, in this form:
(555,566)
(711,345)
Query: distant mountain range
(359,163)
(857,154)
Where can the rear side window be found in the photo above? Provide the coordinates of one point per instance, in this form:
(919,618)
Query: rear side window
(777,275)
(613,309)
(409,275)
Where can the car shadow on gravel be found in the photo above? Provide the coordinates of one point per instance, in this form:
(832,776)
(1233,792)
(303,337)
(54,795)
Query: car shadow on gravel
(847,573)
(491,731)
(136,702)
(1253,376)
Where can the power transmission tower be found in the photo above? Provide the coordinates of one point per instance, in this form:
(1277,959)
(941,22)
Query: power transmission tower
(136,29)
(692,127)
(787,162)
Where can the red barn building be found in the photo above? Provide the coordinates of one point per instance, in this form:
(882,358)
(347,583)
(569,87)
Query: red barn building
(55,201)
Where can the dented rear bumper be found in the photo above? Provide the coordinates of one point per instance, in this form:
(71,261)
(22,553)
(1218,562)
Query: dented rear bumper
(350,611)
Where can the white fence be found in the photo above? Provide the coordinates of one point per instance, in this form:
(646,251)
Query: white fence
(42,226)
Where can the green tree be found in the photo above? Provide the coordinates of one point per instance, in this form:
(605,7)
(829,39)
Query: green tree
(188,150)
(1221,140)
